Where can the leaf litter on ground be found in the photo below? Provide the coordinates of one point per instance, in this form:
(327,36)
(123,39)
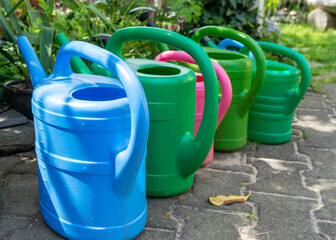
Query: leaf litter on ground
(224,200)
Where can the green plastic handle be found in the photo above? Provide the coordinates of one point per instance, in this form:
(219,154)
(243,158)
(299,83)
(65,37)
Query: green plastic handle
(247,98)
(294,96)
(193,150)
(76,62)
(211,44)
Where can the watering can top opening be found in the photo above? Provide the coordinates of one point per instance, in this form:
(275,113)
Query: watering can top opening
(235,61)
(280,68)
(80,96)
(164,70)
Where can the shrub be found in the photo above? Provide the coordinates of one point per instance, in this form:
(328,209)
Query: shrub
(236,14)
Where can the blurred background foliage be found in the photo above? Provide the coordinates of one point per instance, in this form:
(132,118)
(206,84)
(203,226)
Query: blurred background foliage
(41,20)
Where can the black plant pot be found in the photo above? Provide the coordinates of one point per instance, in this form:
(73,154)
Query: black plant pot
(19,97)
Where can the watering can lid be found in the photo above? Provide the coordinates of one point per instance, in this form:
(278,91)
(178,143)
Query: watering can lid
(81,96)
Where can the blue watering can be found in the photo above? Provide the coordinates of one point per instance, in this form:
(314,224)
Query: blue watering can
(90,138)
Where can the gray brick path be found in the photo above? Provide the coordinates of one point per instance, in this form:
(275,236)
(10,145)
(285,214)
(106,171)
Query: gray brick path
(293,187)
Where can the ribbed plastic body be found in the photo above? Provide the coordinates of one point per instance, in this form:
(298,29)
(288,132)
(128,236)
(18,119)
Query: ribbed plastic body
(174,153)
(223,80)
(170,92)
(231,134)
(81,124)
(268,120)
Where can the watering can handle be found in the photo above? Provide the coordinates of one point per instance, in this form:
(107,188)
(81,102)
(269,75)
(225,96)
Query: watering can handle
(128,161)
(193,150)
(247,97)
(76,62)
(296,95)
(222,76)
(229,42)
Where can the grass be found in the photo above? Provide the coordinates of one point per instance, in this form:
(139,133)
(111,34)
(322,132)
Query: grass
(318,47)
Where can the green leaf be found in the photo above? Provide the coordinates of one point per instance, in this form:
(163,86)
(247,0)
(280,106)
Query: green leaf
(242,17)
(51,4)
(72,4)
(29,7)
(250,24)
(3,76)
(187,13)
(10,58)
(35,19)
(99,14)
(17,5)
(32,37)
(100,1)
(45,19)
(233,4)
(177,4)
(7,31)
(12,16)
(46,43)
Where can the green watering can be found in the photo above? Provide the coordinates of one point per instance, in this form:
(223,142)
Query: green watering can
(174,154)
(270,118)
(231,134)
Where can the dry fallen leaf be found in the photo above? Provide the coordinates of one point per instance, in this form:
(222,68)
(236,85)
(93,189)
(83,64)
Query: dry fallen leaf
(219,200)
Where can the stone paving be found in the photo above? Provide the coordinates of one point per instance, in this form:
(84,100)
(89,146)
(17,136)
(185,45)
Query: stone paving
(293,187)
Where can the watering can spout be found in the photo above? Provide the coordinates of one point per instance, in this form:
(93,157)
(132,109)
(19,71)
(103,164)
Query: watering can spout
(35,69)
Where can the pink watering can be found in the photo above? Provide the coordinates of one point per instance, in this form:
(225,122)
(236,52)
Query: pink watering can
(226,94)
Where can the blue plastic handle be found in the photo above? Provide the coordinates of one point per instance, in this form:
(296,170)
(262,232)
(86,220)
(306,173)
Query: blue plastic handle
(128,161)
(229,42)
(233,43)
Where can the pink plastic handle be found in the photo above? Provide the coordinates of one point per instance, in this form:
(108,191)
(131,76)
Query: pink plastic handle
(222,76)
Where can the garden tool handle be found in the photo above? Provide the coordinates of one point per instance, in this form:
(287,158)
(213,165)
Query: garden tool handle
(222,76)
(128,161)
(193,150)
(247,97)
(294,96)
